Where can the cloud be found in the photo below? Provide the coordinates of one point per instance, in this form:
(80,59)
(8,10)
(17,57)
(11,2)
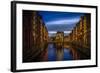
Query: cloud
(63,21)
(53,33)
(61,27)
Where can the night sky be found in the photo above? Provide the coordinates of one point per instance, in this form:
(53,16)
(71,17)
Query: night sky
(60,21)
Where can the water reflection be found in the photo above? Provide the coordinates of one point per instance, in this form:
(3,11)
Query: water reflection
(51,52)
(58,53)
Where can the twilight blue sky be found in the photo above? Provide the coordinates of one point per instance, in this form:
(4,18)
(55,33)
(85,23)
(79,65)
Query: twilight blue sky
(60,21)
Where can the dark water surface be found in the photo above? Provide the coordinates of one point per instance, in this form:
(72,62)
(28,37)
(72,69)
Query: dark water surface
(58,53)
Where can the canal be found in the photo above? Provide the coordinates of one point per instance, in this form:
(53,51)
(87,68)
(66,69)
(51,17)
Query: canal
(58,53)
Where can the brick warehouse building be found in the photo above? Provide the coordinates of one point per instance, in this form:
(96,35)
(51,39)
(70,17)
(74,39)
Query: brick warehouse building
(35,35)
